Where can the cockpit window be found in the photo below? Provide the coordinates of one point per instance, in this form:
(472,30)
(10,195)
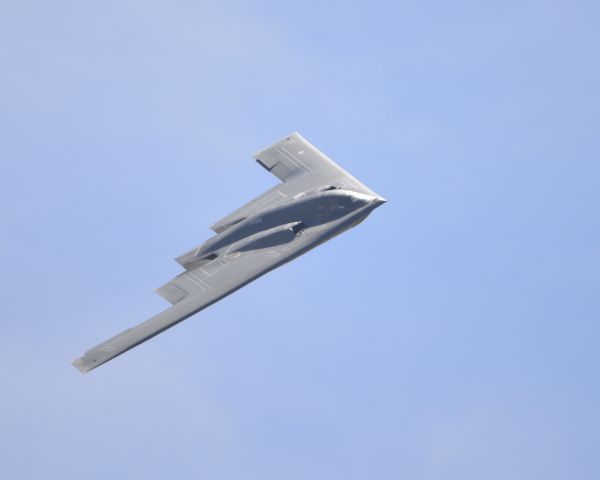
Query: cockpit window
(328,187)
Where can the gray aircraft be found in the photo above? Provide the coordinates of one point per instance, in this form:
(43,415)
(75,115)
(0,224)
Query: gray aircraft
(316,201)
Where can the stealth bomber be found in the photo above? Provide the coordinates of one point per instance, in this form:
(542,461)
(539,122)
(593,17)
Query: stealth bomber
(315,201)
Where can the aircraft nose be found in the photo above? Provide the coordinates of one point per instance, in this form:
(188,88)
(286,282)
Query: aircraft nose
(379,201)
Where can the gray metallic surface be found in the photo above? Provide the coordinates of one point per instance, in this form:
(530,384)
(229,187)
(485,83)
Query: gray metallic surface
(316,201)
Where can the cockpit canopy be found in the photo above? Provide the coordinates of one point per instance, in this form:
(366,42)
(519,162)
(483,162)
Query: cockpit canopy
(328,188)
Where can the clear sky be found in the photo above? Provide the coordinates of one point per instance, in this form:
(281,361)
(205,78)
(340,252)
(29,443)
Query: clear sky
(454,334)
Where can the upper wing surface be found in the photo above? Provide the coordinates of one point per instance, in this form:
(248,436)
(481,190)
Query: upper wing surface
(295,160)
(189,293)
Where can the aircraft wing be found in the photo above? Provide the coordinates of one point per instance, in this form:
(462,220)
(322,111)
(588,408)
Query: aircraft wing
(301,167)
(296,161)
(189,293)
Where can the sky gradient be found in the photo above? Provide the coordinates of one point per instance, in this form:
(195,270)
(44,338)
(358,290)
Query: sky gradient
(454,334)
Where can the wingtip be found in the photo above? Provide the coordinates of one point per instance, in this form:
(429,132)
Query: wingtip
(81,365)
(294,134)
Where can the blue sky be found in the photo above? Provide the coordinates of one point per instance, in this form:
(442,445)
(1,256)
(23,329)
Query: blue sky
(452,335)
